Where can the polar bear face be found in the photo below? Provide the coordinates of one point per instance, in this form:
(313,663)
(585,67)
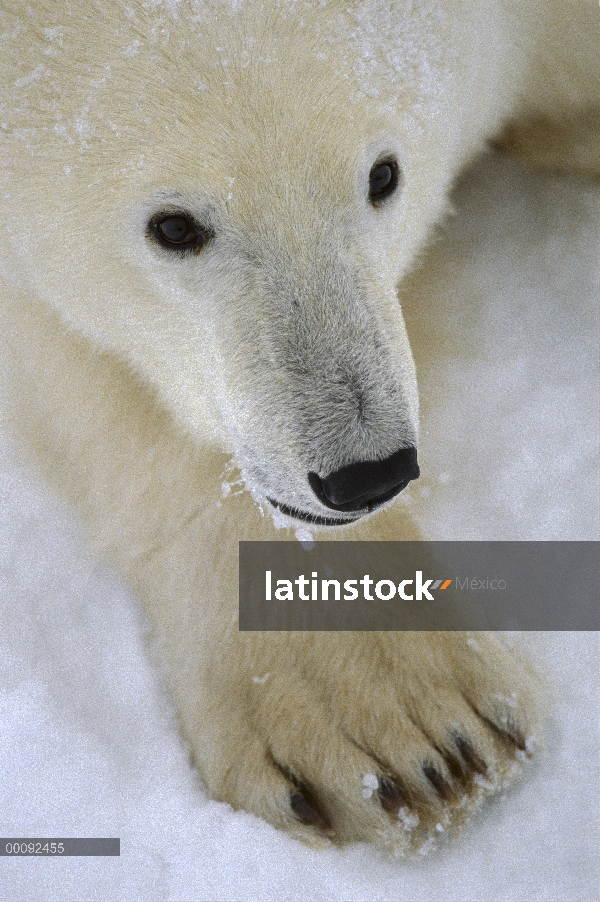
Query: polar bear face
(231,215)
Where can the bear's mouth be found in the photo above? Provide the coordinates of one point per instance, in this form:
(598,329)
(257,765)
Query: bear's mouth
(315,519)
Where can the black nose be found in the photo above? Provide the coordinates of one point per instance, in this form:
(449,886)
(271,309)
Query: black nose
(367,483)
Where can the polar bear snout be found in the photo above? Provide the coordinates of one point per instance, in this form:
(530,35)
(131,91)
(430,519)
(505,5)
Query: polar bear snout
(367,483)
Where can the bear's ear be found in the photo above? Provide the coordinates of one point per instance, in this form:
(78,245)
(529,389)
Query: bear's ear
(383,180)
(178,231)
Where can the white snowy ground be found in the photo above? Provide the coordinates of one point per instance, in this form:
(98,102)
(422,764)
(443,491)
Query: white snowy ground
(509,384)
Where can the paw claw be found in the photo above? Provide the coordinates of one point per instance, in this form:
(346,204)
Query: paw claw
(470,756)
(306,813)
(516,736)
(440,784)
(390,797)
(510,732)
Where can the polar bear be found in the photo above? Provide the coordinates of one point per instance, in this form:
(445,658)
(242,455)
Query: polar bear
(207,210)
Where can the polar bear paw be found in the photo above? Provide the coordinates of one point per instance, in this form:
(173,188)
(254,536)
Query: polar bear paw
(389,738)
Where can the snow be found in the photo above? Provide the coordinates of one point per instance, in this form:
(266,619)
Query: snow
(88,742)
(370,783)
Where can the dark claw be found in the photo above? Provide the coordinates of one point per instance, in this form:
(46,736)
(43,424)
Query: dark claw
(441,786)
(470,756)
(516,736)
(511,732)
(390,797)
(306,813)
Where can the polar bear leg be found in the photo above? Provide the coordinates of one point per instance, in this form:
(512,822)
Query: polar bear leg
(385,737)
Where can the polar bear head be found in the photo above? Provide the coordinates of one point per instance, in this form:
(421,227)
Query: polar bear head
(226,196)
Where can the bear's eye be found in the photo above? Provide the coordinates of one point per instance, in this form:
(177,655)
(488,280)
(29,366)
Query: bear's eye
(383,180)
(178,232)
